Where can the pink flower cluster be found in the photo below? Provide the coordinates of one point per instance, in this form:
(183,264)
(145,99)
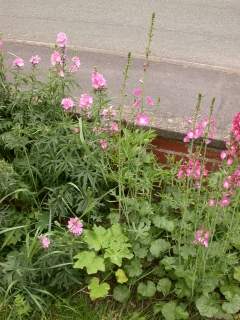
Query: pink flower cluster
(98,81)
(56,58)
(108,113)
(67,103)
(236,127)
(142,119)
(85,101)
(44,241)
(75,226)
(62,39)
(138,92)
(18,62)
(75,64)
(200,130)
(35,60)
(192,168)
(202,237)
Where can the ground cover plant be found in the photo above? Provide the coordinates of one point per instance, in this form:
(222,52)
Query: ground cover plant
(88,213)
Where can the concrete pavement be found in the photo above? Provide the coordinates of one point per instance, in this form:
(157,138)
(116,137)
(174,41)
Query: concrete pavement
(203,31)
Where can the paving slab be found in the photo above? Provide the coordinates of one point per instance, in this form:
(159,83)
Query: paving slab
(176,84)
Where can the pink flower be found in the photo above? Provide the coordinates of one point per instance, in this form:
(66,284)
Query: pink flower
(18,62)
(85,101)
(1,44)
(137,92)
(56,58)
(103,144)
(75,226)
(236,127)
(212,203)
(108,113)
(75,64)
(201,129)
(62,39)
(67,103)
(142,119)
(98,81)
(114,127)
(226,184)
(150,101)
(44,241)
(191,168)
(223,155)
(202,237)
(225,201)
(35,60)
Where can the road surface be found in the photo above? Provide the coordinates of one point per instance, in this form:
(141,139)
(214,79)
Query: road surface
(195,48)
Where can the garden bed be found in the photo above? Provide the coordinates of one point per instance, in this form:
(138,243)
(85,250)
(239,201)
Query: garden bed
(88,210)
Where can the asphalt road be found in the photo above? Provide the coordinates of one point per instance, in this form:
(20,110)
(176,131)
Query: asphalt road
(195,48)
(201,31)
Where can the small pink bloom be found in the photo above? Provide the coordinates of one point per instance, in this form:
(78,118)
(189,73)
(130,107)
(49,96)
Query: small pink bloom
(229,161)
(1,44)
(18,62)
(75,226)
(56,58)
(223,155)
(150,101)
(108,113)
(44,241)
(103,144)
(137,92)
(85,101)
(212,203)
(225,201)
(114,127)
(202,237)
(75,64)
(67,103)
(61,39)
(142,119)
(226,184)
(236,127)
(35,60)
(98,81)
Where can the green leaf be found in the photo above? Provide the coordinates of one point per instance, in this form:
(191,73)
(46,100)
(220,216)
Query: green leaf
(236,274)
(98,290)
(140,252)
(163,223)
(169,263)
(117,245)
(134,269)
(147,289)
(121,276)
(95,238)
(207,306)
(121,293)
(90,260)
(168,310)
(164,286)
(159,246)
(229,291)
(233,306)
